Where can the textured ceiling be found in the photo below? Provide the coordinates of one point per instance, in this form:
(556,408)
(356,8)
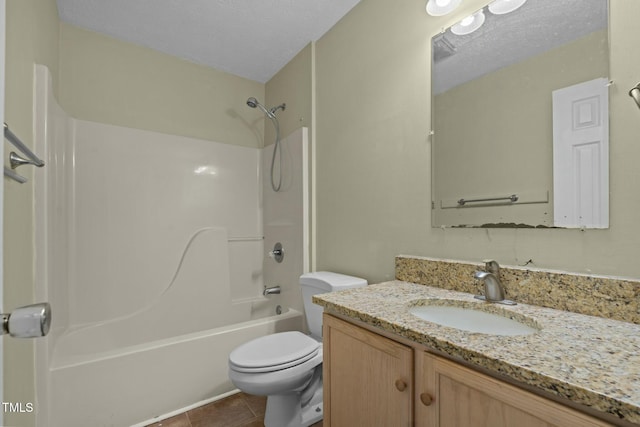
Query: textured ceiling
(538,26)
(249,38)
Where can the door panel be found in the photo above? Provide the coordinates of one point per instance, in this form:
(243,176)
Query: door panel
(368,379)
(462,397)
(581,155)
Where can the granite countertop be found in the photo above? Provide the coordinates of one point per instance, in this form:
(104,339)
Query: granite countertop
(590,360)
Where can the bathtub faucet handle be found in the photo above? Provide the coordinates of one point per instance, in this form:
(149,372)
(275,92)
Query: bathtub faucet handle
(277,253)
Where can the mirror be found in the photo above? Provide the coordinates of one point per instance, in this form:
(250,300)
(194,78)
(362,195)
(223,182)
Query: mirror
(498,99)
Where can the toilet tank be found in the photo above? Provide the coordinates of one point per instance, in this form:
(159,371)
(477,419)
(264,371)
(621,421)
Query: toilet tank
(321,282)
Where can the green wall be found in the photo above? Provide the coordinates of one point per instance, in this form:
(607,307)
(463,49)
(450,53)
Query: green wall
(364,89)
(293,86)
(31,36)
(109,81)
(374,155)
(372,111)
(98,78)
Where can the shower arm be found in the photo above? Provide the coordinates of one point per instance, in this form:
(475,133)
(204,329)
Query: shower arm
(269,113)
(273,110)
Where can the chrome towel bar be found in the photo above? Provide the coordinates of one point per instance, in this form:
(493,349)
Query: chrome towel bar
(14,176)
(244,238)
(512,198)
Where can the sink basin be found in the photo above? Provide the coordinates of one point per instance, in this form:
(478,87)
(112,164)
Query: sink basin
(471,320)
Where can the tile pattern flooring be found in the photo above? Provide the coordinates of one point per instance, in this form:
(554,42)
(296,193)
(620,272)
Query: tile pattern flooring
(238,410)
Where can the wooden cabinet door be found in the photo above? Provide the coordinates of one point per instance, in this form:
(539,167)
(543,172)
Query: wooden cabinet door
(462,397)
(368,379)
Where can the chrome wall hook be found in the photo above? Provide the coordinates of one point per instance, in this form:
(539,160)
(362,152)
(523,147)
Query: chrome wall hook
(635,94)
(16,160)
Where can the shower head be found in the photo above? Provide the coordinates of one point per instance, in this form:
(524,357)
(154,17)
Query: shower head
(253,103)
(271,113)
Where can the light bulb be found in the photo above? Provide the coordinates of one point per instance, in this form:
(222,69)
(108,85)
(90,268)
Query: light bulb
(469,24)
(501,7)
(441,7)
(467,21)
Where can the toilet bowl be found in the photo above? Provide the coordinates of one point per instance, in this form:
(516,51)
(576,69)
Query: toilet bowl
(287,366)
(281,366)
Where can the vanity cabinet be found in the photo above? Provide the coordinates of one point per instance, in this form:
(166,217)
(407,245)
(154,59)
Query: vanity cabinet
(371,380)
(368,379)
(451,395)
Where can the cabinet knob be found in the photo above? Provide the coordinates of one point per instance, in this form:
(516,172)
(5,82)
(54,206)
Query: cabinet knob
(401,385)
(426,399)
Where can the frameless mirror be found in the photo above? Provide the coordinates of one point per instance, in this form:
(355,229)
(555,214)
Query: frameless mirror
(520,117)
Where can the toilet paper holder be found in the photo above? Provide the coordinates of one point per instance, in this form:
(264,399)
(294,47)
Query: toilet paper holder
(30,321)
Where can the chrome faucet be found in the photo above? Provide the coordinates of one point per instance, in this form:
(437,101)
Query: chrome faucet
(271,290)
(493,289)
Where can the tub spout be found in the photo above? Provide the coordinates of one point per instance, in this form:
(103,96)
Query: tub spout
(271,290)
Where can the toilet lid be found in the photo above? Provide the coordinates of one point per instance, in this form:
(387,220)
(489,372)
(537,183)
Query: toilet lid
(276,351)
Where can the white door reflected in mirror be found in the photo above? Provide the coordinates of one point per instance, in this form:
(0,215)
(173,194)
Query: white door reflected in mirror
(581,155)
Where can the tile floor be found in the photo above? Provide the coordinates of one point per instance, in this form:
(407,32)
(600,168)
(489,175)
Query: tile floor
(238,410)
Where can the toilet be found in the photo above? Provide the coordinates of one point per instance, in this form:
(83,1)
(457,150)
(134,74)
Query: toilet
(287,366)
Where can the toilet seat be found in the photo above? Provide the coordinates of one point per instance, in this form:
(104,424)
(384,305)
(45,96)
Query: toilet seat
(274,352)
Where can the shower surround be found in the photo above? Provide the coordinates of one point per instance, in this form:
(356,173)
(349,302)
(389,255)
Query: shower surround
(152,250)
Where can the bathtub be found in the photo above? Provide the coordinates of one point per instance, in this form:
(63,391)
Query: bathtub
(169,354)
(147,306)
(113,387)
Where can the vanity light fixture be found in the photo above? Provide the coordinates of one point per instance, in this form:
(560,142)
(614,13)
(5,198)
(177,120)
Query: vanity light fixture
(469,24)
(501,7)
(442,7)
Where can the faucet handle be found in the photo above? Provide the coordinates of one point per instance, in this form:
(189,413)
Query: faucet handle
(491,266)
(480,275)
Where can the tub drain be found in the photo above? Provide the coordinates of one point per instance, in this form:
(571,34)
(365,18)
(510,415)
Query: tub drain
(279,309)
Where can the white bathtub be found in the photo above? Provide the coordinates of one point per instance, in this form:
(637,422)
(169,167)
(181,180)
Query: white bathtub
(155,270)
(112,388)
